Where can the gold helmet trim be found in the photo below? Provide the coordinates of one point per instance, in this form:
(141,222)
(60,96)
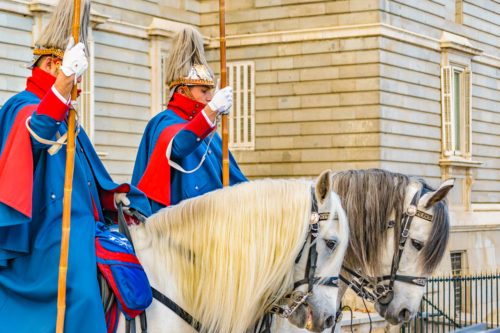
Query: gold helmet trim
(191,82)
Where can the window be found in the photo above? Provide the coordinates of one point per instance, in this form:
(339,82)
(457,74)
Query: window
(456,271)
(456,89)
(242,115)
(86,99)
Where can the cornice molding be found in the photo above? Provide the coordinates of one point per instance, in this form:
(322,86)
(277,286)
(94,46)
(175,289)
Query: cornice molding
(475,228)
(164,29)
(41,6)
(97,18)
(365,30)
(15,6)
(459,44)
(124,28)
(450,41)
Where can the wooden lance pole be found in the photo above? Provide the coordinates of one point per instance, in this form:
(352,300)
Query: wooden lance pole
(68,188)
(223,76)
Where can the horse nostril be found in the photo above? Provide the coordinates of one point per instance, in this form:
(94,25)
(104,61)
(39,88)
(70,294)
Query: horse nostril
(329,322)
(404,316)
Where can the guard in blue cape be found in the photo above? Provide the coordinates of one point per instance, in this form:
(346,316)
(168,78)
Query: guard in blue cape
(180,155)
(32,171)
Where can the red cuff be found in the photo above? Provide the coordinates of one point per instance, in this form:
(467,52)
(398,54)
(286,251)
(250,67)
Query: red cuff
(199,126)
(107,198)
(52,106)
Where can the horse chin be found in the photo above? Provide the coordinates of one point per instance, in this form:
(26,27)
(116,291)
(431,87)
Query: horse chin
(300,316)
(304,317)
(393,316)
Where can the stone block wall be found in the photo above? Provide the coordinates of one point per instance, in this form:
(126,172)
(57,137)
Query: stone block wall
(15,50)
(260,16)
(374,100)
(317,106)
(141,12)
(122,100)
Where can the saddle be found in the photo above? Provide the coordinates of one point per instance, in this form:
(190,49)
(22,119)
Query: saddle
(124,286)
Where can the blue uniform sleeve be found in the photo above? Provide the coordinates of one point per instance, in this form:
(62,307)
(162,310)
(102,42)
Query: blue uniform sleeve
(190,138)
(47,119)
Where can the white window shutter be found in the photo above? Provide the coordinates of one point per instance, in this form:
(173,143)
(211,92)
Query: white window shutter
(468,114)
(86,99)
(242,114)
(447,110)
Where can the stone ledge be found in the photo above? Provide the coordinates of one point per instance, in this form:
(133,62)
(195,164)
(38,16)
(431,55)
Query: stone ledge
(459,163)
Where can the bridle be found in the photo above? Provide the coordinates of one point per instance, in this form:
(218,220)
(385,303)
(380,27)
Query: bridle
(371,289)
(298,297)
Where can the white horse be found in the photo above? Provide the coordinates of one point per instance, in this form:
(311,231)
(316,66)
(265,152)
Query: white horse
(375,201)
(226,256)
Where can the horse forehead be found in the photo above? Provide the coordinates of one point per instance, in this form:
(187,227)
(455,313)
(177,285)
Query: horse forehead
(330,228)
(420,229)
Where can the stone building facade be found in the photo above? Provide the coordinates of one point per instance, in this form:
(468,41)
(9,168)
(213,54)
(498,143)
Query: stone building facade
(406,85)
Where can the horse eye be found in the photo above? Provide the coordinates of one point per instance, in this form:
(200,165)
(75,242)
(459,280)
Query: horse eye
(331,244)
(418,245)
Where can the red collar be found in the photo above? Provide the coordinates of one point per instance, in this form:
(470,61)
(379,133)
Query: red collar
(185,107)
(40,82)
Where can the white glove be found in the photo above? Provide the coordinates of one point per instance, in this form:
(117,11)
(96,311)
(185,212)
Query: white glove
(122,197)
(75,60)
(222,101)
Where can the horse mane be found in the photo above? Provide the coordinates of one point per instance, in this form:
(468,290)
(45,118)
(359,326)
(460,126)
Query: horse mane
(369,197)
(230,253)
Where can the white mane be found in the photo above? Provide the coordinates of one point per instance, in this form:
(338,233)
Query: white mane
(230,253)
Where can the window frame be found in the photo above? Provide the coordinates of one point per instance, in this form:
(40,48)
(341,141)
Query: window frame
(239,143)
(449,97)
(460,71)
(89,126)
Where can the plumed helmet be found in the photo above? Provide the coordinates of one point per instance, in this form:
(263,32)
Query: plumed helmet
(55,37)
(186,63)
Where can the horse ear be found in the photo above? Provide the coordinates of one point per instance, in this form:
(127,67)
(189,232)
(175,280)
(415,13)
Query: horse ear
(323,187)
(433,198)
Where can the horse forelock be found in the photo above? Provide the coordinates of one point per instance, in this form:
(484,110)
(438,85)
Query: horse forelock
(369,197)
(234,250)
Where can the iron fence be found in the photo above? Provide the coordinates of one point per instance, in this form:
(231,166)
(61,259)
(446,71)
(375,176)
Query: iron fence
(453,302)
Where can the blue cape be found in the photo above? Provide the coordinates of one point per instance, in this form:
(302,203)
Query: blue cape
(30,243)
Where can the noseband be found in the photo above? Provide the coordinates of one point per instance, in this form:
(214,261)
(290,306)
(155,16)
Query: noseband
(377,291)
(297,296)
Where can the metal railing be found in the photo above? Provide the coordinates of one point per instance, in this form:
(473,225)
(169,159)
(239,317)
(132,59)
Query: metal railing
(453,302)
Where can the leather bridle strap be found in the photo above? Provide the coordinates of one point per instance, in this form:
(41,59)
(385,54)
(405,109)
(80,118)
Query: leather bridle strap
(416,280)
(329,282)
(176,309)
(411,211)
(359,287)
